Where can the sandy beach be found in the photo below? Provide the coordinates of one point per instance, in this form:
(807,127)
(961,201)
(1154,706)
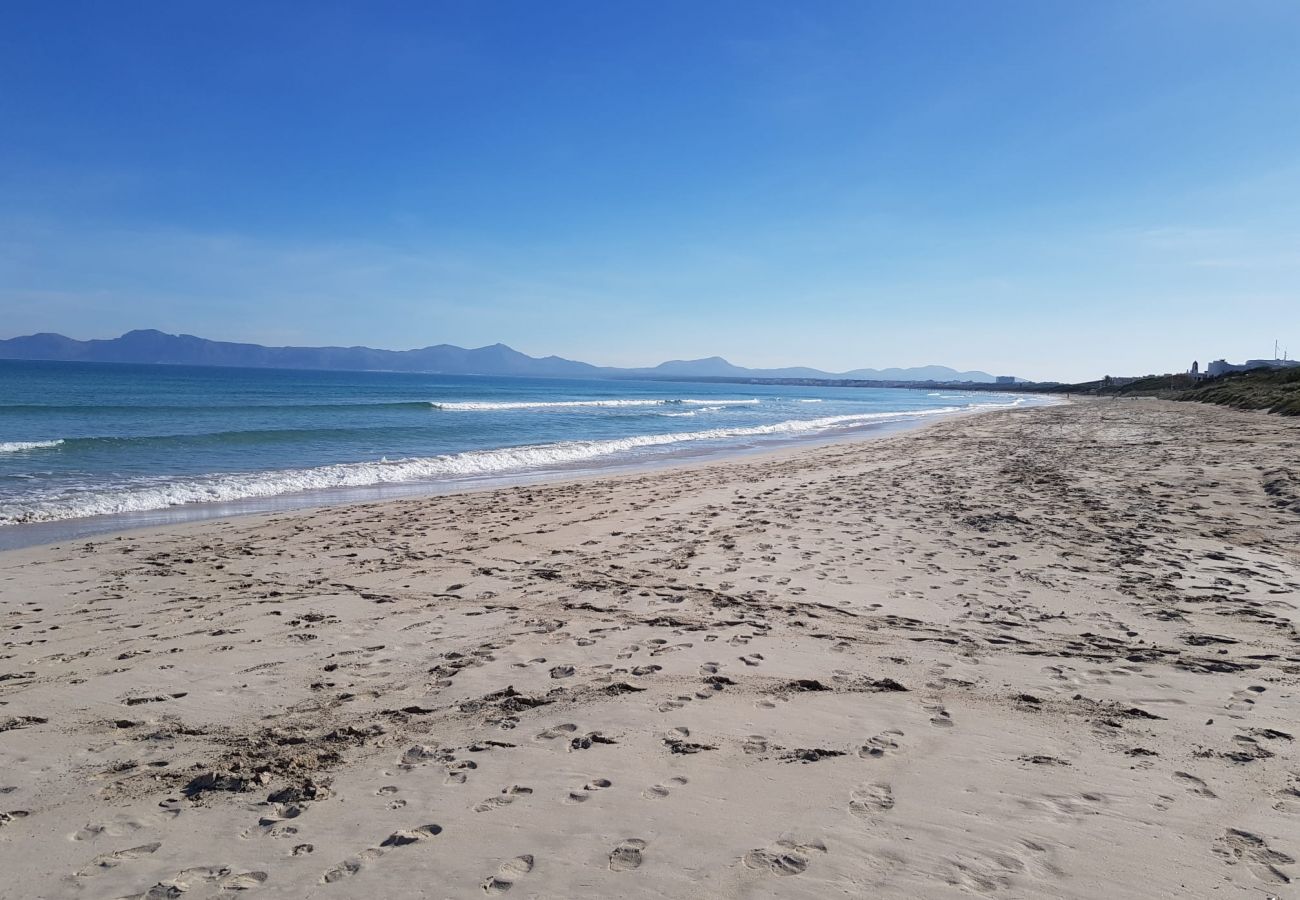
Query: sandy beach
(1035,653)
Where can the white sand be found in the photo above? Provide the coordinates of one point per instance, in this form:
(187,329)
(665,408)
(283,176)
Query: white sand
(1046,653)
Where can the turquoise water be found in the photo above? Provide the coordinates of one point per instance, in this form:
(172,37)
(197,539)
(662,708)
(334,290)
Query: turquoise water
(84,440)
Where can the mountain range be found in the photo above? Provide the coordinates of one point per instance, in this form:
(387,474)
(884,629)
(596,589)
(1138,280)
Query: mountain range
(151,346)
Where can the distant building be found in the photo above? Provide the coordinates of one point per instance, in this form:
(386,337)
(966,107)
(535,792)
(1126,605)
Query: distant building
(1222,366)
(1196,367)
(1005,379)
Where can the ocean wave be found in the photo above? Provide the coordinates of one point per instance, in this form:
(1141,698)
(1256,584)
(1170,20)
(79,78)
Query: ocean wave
(485,405)
(162,493)
(20,446)
(234,438)
(83,409)
(693,412)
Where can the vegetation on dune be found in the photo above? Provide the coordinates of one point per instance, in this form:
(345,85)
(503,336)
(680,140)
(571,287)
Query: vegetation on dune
(1277,390)
(1169,386)
(1159,384)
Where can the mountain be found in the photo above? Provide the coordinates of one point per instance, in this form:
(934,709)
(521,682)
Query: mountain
(918,373)
(717,367)
(713,367)
(151,346)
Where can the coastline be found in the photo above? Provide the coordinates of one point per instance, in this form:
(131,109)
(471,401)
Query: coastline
(1031,652)
(47,533)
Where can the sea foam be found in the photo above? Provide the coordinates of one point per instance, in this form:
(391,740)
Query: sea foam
(487,406)
(20,446)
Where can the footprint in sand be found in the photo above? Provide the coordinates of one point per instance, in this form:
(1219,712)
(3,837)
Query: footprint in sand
(867,800)
(1064,807)
(1262,860)
(387,791)
(350,867)
(106,861)
(880,745)
(752,659)
(223,877)
(241,881)
(116,828)
(507,796)
(662,790)
(784,857)
(12,816)
(458,772)
(628,855)
(939,716)
(985,874)
(420,753)
(509,872)
(411,836)
(1288,799)
(670,648)
(1244,700)
(556,731)
(1194,784)
(755,744)
(273,822)
(583,795)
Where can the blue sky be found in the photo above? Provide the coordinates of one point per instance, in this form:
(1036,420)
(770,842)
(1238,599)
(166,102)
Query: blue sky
(1054,189)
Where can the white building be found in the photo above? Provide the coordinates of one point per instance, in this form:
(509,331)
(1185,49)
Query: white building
(1222,366)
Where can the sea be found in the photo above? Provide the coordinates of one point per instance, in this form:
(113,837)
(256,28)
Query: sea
(88,448)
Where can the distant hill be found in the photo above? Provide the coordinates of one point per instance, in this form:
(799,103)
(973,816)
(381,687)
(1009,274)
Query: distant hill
(717,367)
(150,346)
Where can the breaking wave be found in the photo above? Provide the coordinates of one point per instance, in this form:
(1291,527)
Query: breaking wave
(20,446)
(482,406)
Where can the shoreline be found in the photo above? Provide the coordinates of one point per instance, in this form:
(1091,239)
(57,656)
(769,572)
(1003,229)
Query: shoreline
(1039,652)
(47,533)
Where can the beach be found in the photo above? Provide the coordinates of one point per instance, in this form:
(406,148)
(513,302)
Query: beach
(88,449)
(1045,652)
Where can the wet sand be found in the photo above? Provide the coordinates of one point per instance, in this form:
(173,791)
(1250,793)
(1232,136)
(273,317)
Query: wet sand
(1035,653)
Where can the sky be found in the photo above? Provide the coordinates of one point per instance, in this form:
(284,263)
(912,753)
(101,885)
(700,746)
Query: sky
(1051,189)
